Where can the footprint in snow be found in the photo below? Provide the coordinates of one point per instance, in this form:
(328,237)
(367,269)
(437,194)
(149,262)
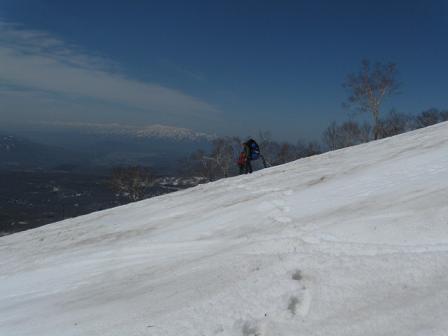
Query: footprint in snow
(299,303)
(276,210)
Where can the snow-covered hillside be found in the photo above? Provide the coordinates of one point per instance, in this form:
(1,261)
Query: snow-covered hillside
(352,242)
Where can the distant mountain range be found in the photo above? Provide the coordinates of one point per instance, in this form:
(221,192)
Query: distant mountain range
(148,132)
(47,145)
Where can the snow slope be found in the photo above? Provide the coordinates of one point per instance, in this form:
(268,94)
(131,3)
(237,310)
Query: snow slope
(351,242)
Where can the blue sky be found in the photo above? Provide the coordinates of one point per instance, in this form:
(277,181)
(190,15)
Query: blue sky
(227,67)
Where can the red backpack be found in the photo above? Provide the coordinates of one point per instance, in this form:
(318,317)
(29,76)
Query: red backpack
(242,158)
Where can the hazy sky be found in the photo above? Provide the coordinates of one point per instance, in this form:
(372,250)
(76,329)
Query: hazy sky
(229,67)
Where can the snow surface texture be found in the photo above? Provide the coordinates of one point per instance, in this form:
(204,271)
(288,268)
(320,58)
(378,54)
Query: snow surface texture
(351,242)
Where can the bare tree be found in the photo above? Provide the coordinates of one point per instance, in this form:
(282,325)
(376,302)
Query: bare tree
(287,153)
(394,123)
(365,132)
(220,162)
(347,134)
(224,154)
(443,115)
(430,117)
(350,134)
(132,182)
(269,148)
(330,136)
(306,149)
(200,164)
(370,87)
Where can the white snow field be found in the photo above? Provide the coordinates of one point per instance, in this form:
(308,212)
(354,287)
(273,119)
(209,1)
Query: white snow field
(351,242)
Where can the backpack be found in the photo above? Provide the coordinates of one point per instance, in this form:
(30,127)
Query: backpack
(242,159)
(254,153)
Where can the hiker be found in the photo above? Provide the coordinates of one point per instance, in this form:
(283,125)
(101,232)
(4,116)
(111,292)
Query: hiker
(251,152)
(247,154)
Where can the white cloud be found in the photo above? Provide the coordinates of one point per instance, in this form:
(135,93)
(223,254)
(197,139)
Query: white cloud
(36,61)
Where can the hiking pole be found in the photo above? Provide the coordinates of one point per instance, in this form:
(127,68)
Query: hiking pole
(264,161)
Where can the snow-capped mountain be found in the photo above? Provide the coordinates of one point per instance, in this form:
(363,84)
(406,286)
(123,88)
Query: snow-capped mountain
(351,242)
(108,145)
(147,131)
